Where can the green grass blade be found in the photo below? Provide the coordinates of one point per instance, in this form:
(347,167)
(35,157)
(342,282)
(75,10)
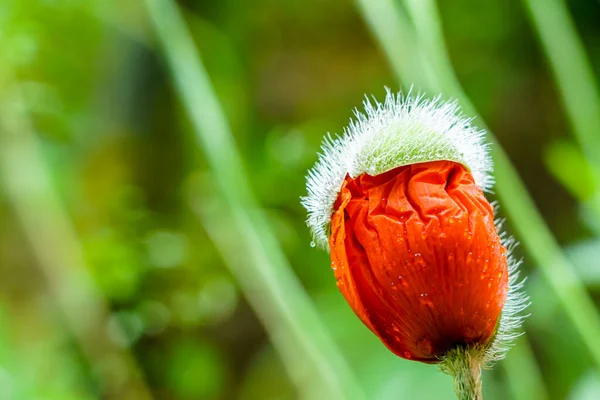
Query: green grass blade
(576,84)
(391,28)
(572,71)
(56,247)
(310,355)
(520,364)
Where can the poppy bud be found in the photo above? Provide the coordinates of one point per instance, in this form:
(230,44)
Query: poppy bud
(398,200)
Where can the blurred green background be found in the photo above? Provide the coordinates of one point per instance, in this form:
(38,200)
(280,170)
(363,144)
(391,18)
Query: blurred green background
(137,260)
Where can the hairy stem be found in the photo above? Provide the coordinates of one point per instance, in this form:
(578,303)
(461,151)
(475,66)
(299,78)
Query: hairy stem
(464,364)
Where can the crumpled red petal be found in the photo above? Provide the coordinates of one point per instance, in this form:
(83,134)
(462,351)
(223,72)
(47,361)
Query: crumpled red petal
(417,256)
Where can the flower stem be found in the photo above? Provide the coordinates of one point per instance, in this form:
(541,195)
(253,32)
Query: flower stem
(464,364)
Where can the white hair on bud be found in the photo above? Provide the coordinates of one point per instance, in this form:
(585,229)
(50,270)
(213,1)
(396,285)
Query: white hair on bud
(512,317)
(402,130)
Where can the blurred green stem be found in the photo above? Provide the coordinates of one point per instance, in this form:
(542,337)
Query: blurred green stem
(524,376)
(16,387)
(56,247)
(391,28)
(575,80)
(309,354)
(572,71)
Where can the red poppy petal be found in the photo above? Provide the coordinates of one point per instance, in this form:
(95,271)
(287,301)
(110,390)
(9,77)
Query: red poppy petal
(419,258)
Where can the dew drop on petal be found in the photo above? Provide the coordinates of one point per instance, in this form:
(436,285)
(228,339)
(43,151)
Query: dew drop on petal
(425,300)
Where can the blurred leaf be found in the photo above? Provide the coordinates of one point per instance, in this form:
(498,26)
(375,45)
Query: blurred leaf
(266,379)
(217,299)
(195,370)
(166,249)
(568,165)
(125,328)
(521,362)
(115,265)
(155,317)
(585,256)
(561,358)
(587,388)
(12,384)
